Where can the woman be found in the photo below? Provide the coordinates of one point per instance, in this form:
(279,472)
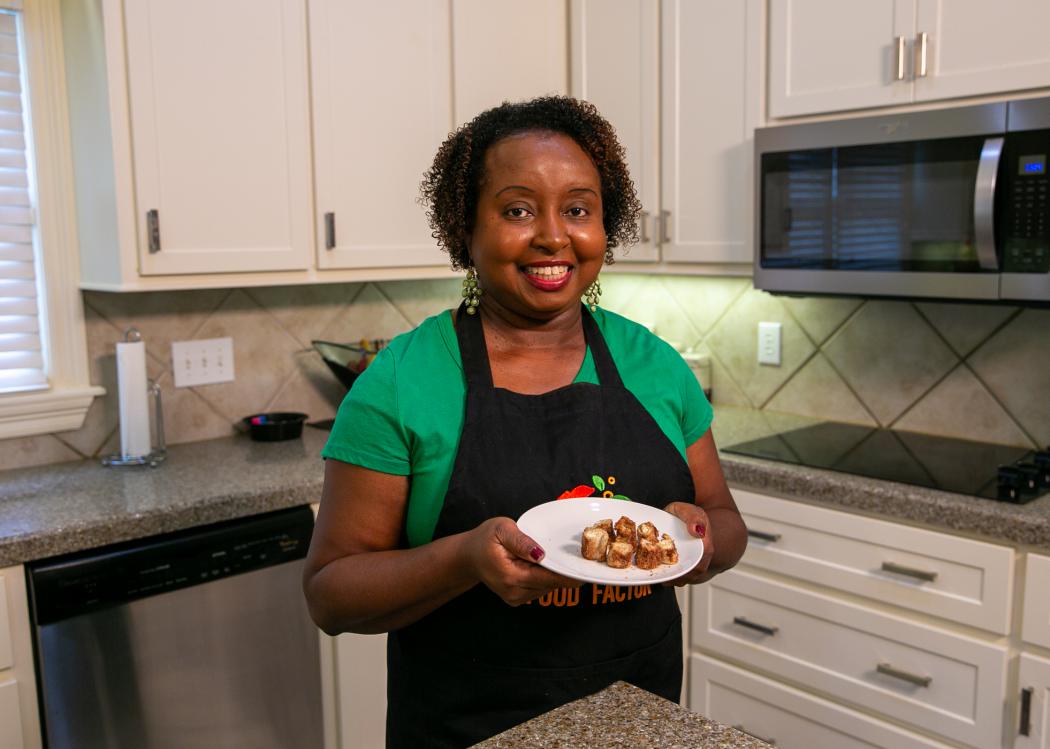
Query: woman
(461,425)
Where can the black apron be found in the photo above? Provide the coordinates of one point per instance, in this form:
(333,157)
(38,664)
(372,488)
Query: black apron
(476,666)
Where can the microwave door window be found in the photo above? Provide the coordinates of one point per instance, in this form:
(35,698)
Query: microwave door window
(885,207)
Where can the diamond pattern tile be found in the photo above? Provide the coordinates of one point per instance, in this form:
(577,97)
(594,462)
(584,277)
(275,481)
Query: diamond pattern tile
(311,389)
(735,341)
(618,289)
(371,316)
(652,305)
(818,390)
(304,311)
(262,357)
(983,419)
(889,356)
(37,450)
(1015,366)
(161,316)
(724,391)
(965,326)
(188,417)
(704,300)
(821,317)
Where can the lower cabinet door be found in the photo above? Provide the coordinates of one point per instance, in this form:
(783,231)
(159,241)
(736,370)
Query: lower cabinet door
(786,717)
(939,681)
(1034,706)
(10,718)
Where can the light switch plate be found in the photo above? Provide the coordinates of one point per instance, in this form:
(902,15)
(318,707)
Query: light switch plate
(202,362)
(769,343)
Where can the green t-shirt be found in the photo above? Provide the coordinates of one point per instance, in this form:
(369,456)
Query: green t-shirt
(404,414)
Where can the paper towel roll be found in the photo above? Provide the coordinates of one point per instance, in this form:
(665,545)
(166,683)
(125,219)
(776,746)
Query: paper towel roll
(133,398)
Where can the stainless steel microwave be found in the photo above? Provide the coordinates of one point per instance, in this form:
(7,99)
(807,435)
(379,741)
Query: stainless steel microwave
(944,204)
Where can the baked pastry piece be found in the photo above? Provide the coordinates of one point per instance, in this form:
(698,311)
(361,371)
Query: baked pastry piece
(626,530)
(648,531)
(619,554)
(595,543)
(668,551)
(648,555)
(606,525)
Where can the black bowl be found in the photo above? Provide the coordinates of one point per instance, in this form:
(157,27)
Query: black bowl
(275,426)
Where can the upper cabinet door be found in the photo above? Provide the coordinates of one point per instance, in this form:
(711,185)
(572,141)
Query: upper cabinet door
(616,66)
(974,48)
(382,93)
(220,135)
(829,55)
(507,51)
(710,101)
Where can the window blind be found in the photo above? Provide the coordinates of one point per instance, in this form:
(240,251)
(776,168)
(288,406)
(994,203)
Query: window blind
(22,364)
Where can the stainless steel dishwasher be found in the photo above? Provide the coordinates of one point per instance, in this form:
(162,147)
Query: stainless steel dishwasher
(198,639)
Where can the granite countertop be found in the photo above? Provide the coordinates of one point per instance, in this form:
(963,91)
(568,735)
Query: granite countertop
(622,716)
(51,510)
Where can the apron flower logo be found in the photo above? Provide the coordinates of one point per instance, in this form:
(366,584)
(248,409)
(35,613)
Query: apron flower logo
(598,484)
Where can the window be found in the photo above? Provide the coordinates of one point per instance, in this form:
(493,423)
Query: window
(43,357)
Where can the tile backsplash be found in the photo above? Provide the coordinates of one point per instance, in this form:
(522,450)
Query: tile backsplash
(967,371)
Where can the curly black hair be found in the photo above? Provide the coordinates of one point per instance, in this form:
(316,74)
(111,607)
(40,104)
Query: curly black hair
(450,187)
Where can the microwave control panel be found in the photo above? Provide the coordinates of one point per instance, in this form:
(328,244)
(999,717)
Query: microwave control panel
(1026,246)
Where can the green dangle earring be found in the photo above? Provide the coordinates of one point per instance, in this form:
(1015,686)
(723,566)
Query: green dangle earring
(471,290)
(592,295)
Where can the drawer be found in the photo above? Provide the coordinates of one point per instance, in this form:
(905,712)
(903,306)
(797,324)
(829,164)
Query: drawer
(6,657)
(940,681)
(10,718)
(1033,729)
(791,718)
(958,579)
(1035,625)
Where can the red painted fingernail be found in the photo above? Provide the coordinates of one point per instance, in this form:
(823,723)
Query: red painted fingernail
(536,553)
(700,529)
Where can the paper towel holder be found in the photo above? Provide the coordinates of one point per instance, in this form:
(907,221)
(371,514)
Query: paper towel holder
(159,451)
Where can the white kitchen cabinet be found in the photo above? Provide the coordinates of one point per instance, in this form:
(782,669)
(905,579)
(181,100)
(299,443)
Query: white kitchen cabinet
(19,717)
(785,717)
(827,56)
(215,140)
(679,81)
(382,95)
(957,579)
(1035,625)
(1033,714)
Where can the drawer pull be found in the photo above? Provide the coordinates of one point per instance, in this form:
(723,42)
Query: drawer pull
(755,626)
(896,673)
(740,728)
(1025,729)
(900,569)
(763,536)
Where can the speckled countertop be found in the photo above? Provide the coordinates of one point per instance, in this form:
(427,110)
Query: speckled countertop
(50,510)
(639,718)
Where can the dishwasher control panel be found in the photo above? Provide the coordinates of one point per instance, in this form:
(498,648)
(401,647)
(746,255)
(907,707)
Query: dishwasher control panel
(76,584)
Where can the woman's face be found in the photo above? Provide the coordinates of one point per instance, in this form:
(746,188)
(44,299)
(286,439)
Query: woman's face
(538,238)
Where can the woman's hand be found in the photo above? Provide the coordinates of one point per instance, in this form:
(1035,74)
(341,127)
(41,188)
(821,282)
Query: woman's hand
(698,524)
(506,560)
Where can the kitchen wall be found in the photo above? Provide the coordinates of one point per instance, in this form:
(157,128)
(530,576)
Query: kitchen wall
(969,371)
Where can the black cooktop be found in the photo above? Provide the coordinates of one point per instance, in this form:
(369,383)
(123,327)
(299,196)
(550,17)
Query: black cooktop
(1001,472)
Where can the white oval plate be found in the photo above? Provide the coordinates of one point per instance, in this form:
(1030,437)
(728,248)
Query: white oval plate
(558,528)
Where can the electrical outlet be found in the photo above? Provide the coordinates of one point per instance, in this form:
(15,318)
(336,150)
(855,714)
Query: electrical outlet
(769,343)
(202,362)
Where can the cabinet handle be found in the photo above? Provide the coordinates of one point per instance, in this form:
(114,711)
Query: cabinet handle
(153,229)
(755,626)
(901,43)
(896,673)
(763,536)
(1025,729)
(643,224)
(665,231)
(900,569)
(921,46)
(329,231)
(740,728)
(984,203)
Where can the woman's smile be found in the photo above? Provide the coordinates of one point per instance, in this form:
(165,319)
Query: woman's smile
(548,276)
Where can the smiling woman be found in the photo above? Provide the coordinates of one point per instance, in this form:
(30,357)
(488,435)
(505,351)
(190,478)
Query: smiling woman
(464,424)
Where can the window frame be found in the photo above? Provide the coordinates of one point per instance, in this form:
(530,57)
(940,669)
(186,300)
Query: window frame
(64,404)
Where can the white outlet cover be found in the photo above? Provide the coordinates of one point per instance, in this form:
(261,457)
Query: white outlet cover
(202,362)
(769,343)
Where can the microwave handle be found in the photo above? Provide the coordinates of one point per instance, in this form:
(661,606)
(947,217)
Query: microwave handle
(984,203)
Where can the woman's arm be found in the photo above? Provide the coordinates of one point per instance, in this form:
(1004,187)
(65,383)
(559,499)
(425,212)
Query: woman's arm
(358,579)
(712,516)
